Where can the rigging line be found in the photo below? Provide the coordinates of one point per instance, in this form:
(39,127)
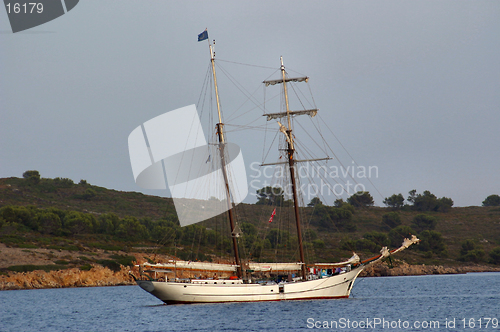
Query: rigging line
(246,127)
(240,87)
(270,146)
(207,86)
(296,94)
(323,178)
(249,123)
(266,125)
(258,106)
(331,150)
(246,64)
(288,68)
(351,157)
(312,96)
(312,105)
(319,130)
(324,151)
(204,88)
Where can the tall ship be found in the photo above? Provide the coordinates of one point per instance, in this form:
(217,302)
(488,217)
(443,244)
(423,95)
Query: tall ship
(243,280)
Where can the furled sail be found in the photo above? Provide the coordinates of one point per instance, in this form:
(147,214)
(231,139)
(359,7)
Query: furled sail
(312,113)
(293,79)
(188,265)
(267,267)
(353,260)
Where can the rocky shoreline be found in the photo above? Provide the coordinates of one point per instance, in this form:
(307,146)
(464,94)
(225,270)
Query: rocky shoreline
(102,276)
(74,277)
(405,269)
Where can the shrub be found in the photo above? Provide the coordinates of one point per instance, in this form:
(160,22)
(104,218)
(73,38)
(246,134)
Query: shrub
(361,199)
(86,267)
(395,201)
(391,219)
(432,241)
(29,268)
(32,177)
(495,256)
(318,244)
(424,222)
(492,200)
(398,234)
(471,253)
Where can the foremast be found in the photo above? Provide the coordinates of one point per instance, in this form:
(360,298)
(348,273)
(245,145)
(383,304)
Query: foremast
(220,134)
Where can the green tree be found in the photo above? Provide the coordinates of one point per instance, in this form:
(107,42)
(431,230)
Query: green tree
(49,222)
(249,234)
(32,177)
(318,244)
(444,204)
(361,199)
(63,182)
(378,238)
(88,194)
(495,256)
(277,237)
(492,200)
(270,196)
(107,223)
(131,229)
(310,235)
(365,244)
(391,219)
(339,202)
(425,202)
(396,201)
(23,215)
(328,217)
(424,222)
(429,202)
(398,234)
(470,252)
(315,201)
(432,241)
(79,223)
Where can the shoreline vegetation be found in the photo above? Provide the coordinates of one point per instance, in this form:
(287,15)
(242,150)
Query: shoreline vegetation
(56,233)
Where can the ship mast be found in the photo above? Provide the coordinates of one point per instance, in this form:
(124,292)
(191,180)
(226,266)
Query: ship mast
(220,133)
(291,165)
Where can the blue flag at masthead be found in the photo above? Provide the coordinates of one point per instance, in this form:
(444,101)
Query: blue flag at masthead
(203,35)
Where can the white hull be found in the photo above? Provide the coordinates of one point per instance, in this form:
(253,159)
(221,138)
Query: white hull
(338,286)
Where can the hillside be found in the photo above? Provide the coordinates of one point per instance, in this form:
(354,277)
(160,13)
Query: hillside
(55,224)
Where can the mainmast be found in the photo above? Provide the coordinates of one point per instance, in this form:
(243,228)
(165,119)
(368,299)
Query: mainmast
(287,131)
(291,165)
(220,133)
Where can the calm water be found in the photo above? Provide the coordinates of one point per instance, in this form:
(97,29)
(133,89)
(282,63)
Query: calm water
(420,301)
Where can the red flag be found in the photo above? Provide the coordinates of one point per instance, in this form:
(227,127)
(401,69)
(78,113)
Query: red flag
(272,215)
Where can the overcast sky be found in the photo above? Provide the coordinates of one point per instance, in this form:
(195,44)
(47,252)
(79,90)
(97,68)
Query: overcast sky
(412,87)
